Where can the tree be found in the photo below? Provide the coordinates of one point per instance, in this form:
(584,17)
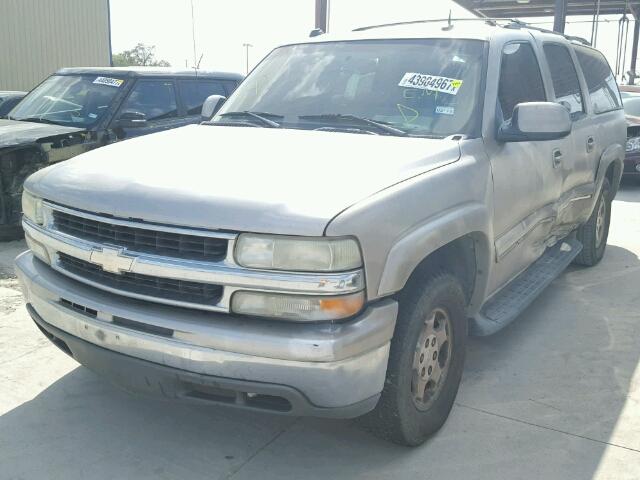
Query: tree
(140,55)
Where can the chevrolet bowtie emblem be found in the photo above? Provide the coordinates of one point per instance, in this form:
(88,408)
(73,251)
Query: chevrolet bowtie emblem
(112,260)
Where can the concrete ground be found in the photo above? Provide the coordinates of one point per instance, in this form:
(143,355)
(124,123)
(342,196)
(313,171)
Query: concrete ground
(556,395)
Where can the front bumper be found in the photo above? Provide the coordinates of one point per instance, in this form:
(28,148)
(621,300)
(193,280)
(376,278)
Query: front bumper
(335,370)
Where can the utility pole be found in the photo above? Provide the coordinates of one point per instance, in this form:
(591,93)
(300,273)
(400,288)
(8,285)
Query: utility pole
(322,11)
(247,46)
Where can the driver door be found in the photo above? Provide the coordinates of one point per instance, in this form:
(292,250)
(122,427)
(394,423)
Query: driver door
(526,181)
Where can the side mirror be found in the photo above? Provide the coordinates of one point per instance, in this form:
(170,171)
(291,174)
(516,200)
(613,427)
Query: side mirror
(536,121)
(211,106)
(131,120)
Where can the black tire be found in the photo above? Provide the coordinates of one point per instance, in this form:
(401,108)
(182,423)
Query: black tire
(593,246)
(396,417)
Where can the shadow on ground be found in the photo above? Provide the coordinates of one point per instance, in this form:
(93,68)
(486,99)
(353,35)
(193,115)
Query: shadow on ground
(544,398)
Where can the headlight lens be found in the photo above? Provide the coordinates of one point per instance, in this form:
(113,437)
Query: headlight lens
(32,208)
(304,254)
(297,307)
(633,144)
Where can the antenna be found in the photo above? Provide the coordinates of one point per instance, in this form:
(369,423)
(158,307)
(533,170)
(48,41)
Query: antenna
(449,24)
(193,35)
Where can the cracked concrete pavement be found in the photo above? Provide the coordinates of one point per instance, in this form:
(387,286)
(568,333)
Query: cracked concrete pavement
(556,395)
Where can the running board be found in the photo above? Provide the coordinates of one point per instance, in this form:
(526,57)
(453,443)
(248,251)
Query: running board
(504,307)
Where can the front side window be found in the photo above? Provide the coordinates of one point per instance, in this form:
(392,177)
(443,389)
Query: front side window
(427,87)
(195,92)
(565,78)
(520,78)
(156,99)
(70,100)
(603,89)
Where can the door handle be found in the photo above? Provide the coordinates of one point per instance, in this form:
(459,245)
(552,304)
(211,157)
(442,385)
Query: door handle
(557,158)
(591,143)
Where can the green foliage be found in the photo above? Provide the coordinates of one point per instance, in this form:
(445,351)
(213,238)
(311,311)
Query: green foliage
(140,55)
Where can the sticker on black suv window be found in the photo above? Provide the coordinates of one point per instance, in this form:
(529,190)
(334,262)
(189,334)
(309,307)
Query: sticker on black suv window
(112,82)
(431,82)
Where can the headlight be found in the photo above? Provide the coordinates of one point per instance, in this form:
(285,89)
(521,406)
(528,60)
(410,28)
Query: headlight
(303,254)
(633,144)
(32,208)
(297,307)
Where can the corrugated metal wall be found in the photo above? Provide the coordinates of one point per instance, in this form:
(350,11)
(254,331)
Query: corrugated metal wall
(37,37)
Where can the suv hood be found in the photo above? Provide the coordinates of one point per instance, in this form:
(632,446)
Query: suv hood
(14,132)
(239,178)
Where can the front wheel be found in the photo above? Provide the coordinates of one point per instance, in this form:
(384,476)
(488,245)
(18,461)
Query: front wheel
(425,361)
(593,234)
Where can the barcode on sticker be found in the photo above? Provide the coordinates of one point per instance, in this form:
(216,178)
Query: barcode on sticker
(445,110)
(112,82)
(431,82)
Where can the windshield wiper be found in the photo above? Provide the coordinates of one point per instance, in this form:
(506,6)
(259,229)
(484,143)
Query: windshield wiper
(260,116)
(380,126)
(33,120)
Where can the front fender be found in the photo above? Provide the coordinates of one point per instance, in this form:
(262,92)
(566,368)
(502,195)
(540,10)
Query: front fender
(471,219)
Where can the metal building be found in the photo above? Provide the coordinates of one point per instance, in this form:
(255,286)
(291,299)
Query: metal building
(37,37)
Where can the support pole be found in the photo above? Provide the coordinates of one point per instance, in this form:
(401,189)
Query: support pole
(321,15)
(634,50)
(560,16)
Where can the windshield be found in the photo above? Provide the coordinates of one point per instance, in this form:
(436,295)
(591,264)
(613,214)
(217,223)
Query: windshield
(70,100)
(632,105)
(423,87)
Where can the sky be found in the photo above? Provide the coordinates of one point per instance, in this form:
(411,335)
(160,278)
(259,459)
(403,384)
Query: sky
(222,27)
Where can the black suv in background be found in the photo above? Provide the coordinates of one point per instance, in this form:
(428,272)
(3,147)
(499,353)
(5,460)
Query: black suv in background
(79,109)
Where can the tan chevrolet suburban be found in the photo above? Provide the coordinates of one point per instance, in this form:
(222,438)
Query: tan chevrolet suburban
(326,243)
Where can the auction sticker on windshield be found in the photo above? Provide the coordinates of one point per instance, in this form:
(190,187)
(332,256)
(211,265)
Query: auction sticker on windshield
(431,82)
(112,82)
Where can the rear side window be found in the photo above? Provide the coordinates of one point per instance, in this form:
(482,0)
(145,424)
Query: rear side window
(565,78)
(520,78)
(603,90)
(155,98)
(195,92)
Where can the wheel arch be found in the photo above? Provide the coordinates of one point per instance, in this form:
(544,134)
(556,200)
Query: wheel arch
(456,242)
(610,166)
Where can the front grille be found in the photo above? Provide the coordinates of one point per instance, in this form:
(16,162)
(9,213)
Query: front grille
(164,288)
(144,240)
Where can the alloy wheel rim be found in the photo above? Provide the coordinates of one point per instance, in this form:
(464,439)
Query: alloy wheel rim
(431,359)
(600,222)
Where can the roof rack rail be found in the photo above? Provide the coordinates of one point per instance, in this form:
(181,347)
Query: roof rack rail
(515,23)
(490,21)
(495,22)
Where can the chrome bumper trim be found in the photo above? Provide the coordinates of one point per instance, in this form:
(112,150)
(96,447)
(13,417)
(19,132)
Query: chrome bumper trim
(226,273)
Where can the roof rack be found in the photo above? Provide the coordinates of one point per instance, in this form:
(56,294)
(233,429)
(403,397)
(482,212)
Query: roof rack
(515,23)
(490,21)
(494,22)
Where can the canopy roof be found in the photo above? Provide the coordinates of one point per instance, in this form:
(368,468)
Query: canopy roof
(545,8)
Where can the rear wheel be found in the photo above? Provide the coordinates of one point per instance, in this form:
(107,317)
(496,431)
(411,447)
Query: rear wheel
(425,361)
(593,234)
